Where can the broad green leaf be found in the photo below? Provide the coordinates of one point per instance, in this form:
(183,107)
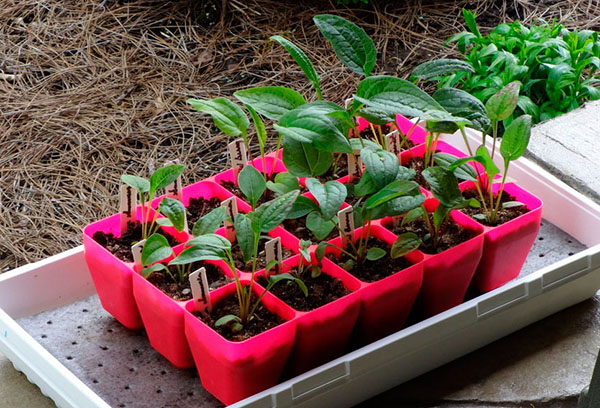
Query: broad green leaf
(444,186)
(156,249)
(405,244)
(146,272)
(375,116)
(394,95)
(439,216)
(174,210)
(210,240)
(210,222)
(304,249)
(436,116)
(512,204)
(196,254)
(284,183)
(488,164)
(366,185)
(393,190)
(516,138)
(463,171)
(164,222)
(140,184)
(501,105)
(164,176)
(374,254)
(319,226)
(302,206)
(404,173)
(261,132)
(415,213)
(274,279)
(330,196)
(228,117)
(245,235)
(462,104)
(252,184)
(351,44)
(228,319)
(271,101)
(439,67)
(396,206)
(381,165)
(320,251)
(301,59)
(271,214)
(315,271)
(304,160)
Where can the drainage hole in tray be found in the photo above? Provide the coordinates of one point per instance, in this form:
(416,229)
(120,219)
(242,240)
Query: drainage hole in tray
(95,381)
(80,327)
(49,322)
(74,343)
(110,330)
(158,391)
(100,365)
(127,387)
(121,405)
(163,372)
(44,336)
(131,370)
(135,351)
(103,348)
(69,357)
(190,393)
(571,253)
(84,310)
(540,238)
(541,255)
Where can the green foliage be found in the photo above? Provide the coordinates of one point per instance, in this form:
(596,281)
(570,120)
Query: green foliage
(557,67)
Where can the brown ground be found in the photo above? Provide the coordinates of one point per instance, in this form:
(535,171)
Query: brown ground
(92,89)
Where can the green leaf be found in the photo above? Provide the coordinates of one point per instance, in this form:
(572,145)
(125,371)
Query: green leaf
(174,210)
(488,164)
(146,272)
(301,59)
(164,176)
(210,240)
(302,206)
(284,183)
(252,184)
(391,191)
(304,160)
(320,251)
(304,249)
(320,226)
(516,138)
(374,254)
(381,164)
(196,254)
(501,105)
(350,42)
(245,235)
(156,249)
(315,271)
(210,222)
(396,206)
(261,132)
(228,117)
(415,213)
(444,186)
(394,95)
(140,184)
(271,101)
(164,222)
(440,214)
(463,171)
(271,214)
(366,185)
(330,196)
(462,104)
(228,319)
(470,21)
(439,67)
(405,244)
(512,204)
(274,279)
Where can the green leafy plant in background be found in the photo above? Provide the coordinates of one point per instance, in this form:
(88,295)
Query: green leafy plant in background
(556,66)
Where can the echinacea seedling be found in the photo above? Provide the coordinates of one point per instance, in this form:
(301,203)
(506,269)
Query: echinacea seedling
(169,207)
(445,189)
(249,229)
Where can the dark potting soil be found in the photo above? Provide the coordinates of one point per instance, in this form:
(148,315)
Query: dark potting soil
(337,171)
(504,214)
(297,227)
(373,271)
(198,207)
(121,246)
(321,290)
(453,235)
(230,185)
(418,164)
(263,319)
(182,291)
(238,257)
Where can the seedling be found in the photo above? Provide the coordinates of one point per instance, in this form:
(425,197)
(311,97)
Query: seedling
(169,207)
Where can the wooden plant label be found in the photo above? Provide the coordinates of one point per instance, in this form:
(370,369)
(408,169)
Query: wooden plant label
(354,165)
(273,251)
(239,155)
(231,208)
(136,251)
(175,189)
(127,206)
(346,224)
(348,102)
(393,142)
(200,290)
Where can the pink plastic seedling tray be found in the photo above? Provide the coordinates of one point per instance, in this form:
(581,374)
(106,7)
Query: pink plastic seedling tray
(53,329)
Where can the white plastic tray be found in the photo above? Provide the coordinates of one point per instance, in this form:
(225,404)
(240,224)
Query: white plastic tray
(366,372)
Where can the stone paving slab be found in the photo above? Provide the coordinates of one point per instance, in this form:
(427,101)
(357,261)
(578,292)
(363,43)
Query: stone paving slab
(16,391)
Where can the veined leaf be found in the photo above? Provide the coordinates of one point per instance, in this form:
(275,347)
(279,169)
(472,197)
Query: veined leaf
(330,196)
(302,206)
(155,249)
(270,215)
(140,184)
(501,105)
(174,210)
(302,60)
(228,117)
(444,186)
(516,138)
(271,101)
(381,165)
(245,235)
(252,184)
(304,160)
(261,132)
(320,226)
(210,222)
(405,244)
(462,104)
(164,176)
(439,67)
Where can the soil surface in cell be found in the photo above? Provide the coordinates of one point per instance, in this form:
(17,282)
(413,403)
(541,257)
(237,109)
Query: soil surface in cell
(238,257)
(337,170)
(297,226)
(198,207)
(263,319)
(321,290)
(372,271)
(504,214)
(268,195)
(418,165)
(121,246)
(453,235)
(181,291)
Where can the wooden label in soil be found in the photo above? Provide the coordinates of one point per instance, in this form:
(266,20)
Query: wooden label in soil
(127,206)
(239,155)
(231,207)
(136,251)
(175,189)
(393,142)
(273,251)
(346,223)
(200,290)
(354,165)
